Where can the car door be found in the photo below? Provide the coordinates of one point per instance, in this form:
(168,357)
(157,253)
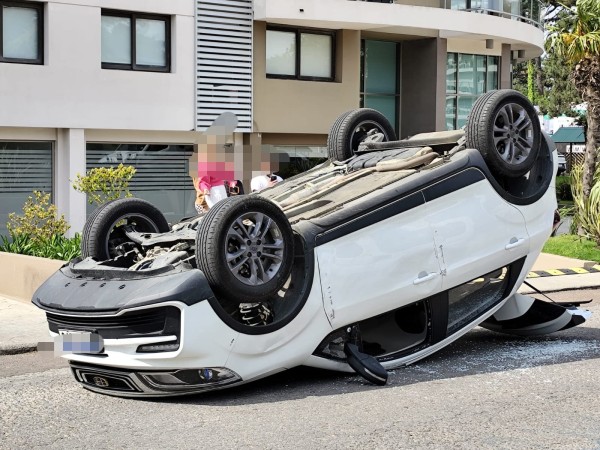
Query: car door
(387,260)
(476,231)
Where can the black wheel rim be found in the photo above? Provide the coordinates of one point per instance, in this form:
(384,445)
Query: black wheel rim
(117,236)
(254,248)
(513,134)
(362,130)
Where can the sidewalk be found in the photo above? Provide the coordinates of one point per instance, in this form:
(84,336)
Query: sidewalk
(24,325)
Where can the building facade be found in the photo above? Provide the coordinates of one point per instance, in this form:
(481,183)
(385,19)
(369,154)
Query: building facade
(90,83)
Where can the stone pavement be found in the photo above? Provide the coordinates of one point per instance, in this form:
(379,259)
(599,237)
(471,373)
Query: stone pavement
(24,325)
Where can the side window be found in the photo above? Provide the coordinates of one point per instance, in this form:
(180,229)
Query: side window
(470,300)
(134,41)
(21,32)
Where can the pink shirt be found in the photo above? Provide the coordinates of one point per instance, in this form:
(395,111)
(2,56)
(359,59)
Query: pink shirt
(215,174)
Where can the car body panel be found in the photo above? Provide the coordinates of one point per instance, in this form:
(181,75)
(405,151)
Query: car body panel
(379,267)
(476,224)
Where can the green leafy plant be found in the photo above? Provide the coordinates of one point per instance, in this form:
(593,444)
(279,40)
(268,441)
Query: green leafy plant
(586,216)
(103,184)
(20,243)
(39,221)
(563,188)
(55,247)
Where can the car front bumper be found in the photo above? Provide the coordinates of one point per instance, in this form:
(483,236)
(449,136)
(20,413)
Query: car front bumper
(152,383)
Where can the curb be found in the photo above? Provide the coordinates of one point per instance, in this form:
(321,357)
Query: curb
(587,268)
(17,349)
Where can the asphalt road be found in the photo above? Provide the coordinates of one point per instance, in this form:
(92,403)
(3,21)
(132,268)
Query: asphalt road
(486,391)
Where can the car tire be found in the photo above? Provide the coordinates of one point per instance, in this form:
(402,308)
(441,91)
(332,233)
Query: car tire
(102,232)
(504,127)
(351,128)
(240,264)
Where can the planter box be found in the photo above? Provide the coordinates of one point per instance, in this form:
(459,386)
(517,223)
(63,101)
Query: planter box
(21,275)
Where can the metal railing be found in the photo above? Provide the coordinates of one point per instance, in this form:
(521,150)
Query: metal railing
(528,11)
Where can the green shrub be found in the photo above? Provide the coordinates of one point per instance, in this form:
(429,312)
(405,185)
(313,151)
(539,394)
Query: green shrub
(39,221)
(586,217)
(563,188)
(55,247)
(103,184)
(20,243)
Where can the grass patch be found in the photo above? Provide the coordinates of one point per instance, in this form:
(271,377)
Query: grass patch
(573,246)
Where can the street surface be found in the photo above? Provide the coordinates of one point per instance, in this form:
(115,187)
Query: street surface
(486,391)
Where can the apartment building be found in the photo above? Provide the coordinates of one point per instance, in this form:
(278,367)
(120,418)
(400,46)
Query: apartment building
(90,83)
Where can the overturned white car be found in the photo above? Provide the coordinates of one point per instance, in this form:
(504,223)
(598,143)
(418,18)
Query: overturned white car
(373,260)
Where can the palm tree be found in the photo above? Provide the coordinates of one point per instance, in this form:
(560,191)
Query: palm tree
(576,37)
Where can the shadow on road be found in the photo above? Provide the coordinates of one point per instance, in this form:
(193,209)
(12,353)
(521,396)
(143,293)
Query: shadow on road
(478,352)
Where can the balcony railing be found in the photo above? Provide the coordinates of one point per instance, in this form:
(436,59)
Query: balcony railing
(529,11)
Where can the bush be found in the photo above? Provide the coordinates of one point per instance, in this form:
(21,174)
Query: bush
(103,184)
(586,217)
(55,247)
(563,188)
(39,222)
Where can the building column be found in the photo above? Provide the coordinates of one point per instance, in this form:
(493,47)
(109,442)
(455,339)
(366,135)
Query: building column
(70,160)
(505,67)
(423,96)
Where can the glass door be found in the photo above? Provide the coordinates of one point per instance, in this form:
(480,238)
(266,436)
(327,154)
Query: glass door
(380,87)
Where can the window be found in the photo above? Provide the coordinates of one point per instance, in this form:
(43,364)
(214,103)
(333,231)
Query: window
(469,300)
(24,167)
(300,54)
(21,32)
(380,88)
(161,177)
(134,41)
(467,77)
(290,160)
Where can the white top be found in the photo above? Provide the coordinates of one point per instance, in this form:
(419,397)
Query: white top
(261,182)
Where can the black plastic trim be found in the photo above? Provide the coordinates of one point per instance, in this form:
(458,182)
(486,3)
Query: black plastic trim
(65,293)
(468,167)
(397,207)
(452,184)
(159,321)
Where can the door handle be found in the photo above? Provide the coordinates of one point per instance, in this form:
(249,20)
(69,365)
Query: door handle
(514,243)
(424,276)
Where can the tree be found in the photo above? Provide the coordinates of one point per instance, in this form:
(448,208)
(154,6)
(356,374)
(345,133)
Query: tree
(559,95)
(576,38)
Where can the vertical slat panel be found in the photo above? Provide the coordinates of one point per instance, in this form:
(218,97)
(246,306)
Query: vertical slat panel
(224,61)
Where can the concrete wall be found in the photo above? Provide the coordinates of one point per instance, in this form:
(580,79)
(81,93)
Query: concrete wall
(71,90)
(21,275)
(423,91)
(293,106)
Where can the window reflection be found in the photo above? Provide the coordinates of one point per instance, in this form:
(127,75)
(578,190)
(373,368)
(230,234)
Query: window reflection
(162,174)
(467,77)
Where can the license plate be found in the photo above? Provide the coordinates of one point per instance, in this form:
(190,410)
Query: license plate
(73,341)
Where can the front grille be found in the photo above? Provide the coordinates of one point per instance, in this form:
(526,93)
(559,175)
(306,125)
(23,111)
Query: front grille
(163,321)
